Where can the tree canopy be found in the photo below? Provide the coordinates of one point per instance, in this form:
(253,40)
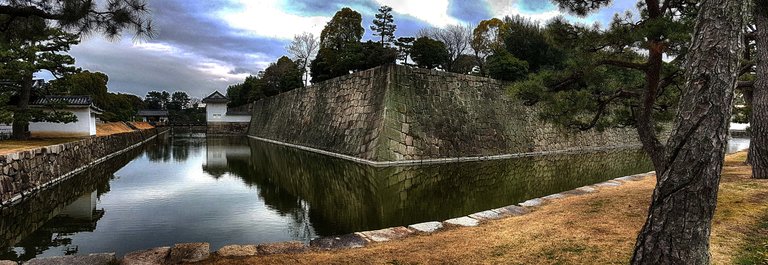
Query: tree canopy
(429,53)
(345,28)
(110,17)
(340,56)
(384,25)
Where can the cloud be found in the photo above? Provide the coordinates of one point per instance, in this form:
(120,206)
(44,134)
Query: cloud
(434,12)
(203,46)
(138,68)
(502,8)
(265,18)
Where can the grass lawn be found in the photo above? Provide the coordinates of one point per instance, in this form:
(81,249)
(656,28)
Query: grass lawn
(597,228)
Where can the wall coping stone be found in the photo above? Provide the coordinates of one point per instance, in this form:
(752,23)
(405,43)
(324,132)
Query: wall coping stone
(433,161)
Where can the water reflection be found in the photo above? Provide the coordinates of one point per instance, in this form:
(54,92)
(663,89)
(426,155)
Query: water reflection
(345,196)
(47,221)
(240,190)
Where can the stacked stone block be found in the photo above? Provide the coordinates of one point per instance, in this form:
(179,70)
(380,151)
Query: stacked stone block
(27,170)
(398,113)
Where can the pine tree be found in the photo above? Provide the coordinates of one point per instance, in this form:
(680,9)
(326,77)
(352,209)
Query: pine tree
(758,153)
(384,26)
(606,82)
(32,46)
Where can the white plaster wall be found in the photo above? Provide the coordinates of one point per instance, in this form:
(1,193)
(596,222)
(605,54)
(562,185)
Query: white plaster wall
(217,112)
(92,130)
(84,126)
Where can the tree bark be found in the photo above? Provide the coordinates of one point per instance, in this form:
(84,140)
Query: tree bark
(758,154)
(21,114)
(680,216)
(645,124)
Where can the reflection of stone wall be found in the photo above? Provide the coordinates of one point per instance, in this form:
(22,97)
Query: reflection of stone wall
(27,170)
(19,221)
(394,113)
(345,196)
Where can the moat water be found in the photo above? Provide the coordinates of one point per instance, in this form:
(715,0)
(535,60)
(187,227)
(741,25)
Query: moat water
(242,191)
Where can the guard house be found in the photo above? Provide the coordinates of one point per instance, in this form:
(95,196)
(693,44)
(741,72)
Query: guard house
(224,120)
(154,117)
(81,106)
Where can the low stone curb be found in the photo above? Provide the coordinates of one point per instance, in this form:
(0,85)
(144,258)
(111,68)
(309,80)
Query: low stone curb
(194,252)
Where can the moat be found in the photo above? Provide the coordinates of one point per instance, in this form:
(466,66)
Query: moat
(243,191)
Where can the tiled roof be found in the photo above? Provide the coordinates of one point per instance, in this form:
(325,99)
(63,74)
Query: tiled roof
(216,97)
(69,100)
(153,113)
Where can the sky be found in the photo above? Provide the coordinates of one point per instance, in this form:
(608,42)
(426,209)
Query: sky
(203,46)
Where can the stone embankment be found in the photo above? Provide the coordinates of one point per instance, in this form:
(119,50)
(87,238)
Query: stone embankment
(194,252)
(396,113)
(26,172)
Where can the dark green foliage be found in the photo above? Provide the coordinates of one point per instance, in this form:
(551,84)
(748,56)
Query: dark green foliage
(281,76)
(504,66)
(429,53)
(593,82)
(581,7)
(331,63)
(89,83)
(465,64)
(384,25)
(179,100)
(109,17)
(156,100)
(404,45)
(121,107)
(526,41)
(344,28)
(187,116)
(29,46)
(116,107)
(326,66)
(373,55)
(250,90)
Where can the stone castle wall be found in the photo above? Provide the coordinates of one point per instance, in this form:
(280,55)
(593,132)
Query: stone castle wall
(227,128)
(398,113)
(341,115)
(24,172)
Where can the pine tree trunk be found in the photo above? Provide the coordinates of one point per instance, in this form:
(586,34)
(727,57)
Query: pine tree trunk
(758,154)
(748,100)
(680,216)
(21,115)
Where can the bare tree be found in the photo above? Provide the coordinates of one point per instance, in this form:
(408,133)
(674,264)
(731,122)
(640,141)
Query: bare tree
(304,48)
(457,38)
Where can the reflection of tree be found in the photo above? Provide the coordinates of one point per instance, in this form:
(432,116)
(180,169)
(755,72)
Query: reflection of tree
(343,196)
(159,150)
(31,219)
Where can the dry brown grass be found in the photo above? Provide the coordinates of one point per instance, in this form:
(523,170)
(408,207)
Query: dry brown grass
(141,125)
(112,128)
(10,146)
(598,228)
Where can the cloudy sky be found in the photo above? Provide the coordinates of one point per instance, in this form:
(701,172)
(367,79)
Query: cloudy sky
(202,46)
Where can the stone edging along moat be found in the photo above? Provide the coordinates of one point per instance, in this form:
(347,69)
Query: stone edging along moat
(446,160)
(24,173)
(193,252)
